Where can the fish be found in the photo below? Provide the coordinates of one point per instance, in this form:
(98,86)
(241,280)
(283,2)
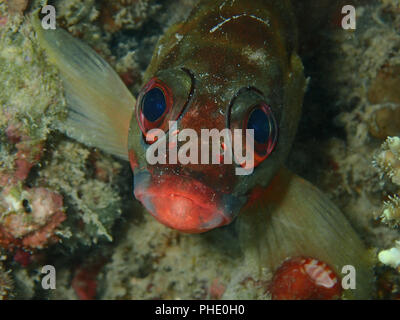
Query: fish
(233,64)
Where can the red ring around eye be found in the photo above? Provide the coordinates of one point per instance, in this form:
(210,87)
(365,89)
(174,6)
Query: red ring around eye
(262,121)
(146,124)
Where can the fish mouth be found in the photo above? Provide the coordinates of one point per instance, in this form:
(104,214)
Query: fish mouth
(181,202)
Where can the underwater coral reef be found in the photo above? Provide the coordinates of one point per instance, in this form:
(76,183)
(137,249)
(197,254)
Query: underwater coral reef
(67,202)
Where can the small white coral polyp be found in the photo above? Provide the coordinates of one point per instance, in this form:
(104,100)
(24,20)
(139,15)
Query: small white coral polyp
(388,162)
(391,257)
(388,159)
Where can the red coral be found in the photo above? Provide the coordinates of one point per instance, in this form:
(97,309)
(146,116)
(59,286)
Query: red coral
(32,216)
(305,279)
(3,21)
(85,284)
(217,289)
(28,154)
(84,281)
(22,257)
(127,78)
(12,133)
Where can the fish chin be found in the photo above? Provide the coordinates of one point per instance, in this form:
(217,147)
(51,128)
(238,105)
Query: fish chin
(182,213)
(181,204)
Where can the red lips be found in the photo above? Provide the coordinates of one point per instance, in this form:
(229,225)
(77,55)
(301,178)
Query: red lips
(182,203)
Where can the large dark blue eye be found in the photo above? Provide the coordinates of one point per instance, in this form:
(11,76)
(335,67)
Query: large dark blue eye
(154,104)
(259,122)
(262,121)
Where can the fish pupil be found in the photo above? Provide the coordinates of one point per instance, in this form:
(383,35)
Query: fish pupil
(259,122)
(154,104)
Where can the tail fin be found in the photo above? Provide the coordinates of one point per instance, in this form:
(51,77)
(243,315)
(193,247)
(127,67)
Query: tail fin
(293,219)
(100,105)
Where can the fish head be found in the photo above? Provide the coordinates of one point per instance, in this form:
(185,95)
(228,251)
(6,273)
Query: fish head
(208,186)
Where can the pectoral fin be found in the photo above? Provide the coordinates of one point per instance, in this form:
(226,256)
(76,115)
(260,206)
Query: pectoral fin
(100,105)
(293,218)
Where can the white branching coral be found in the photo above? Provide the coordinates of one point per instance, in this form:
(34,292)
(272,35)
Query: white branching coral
(391,211)
(388,162)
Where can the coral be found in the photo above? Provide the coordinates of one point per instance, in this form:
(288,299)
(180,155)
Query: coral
(384,96)
(352,105)
(115,29)
(217,289)
(107,26)
(28,155)
(84,284)
(391,211)
(152,261)
(348,110)
(31,94)
(6,283)
(388,162)
(305,278)
(127,14)
(23,257)
(30,97)
(46,196)
(384,120)
(29,217)
(388,159)
(79,18)
(388,285)
(25,283)
(391,257)
(93,197)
